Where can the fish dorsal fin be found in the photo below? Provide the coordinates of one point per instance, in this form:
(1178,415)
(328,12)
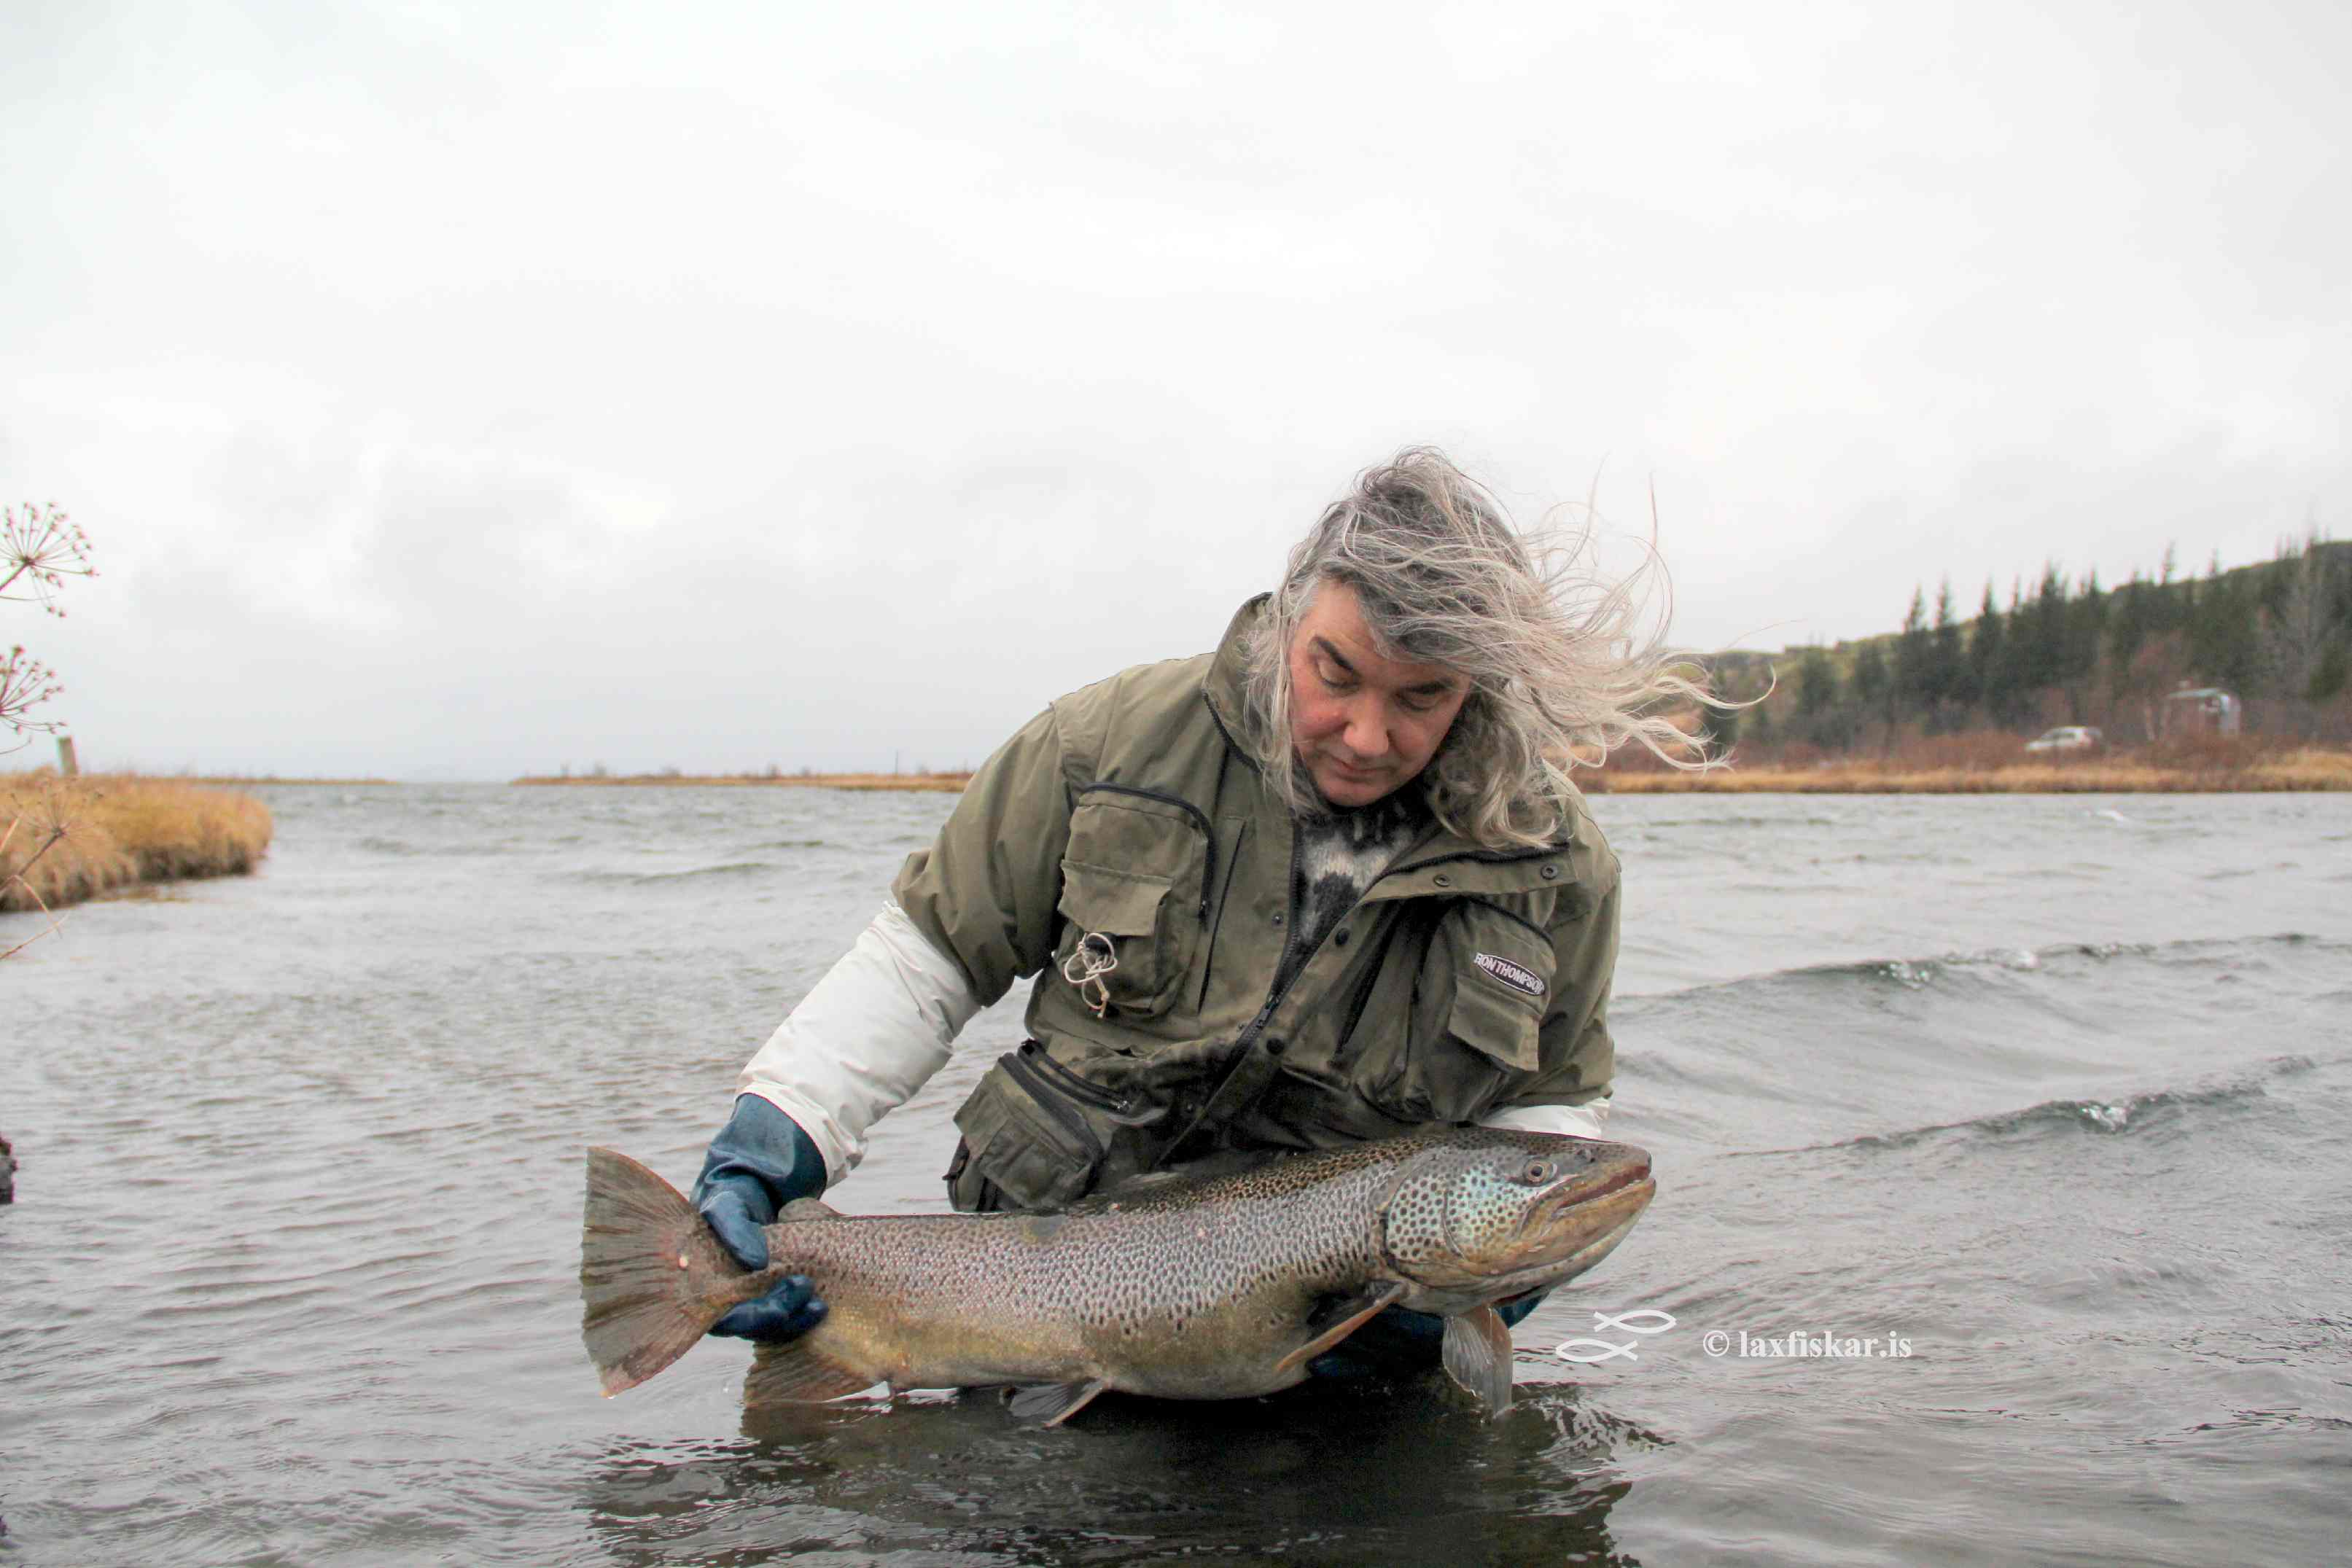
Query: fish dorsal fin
(1051,1404)
(1167,1186)
(1477,1355)
(796,1372)
(1340,1318)
(808,1208)
(1134,1186)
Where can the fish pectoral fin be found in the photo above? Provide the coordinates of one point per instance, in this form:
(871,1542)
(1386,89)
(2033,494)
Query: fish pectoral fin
(1051,1404)
(1340,1318)
(794,1372)
(1477,1355)
(808,1208)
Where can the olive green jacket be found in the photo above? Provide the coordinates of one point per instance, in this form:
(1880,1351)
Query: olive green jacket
(1468,981)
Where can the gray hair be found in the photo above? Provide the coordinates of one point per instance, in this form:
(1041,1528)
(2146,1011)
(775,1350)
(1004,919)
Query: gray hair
(1559,675)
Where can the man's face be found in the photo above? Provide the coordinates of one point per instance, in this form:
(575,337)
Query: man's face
(1364,725)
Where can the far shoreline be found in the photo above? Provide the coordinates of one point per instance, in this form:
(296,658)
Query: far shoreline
(939,783)
(267,781)
(2311,770)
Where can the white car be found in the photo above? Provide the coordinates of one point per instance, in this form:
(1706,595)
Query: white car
(2067,738)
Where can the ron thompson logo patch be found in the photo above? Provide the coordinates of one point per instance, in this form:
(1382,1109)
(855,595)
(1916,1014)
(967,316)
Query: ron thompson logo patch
(1512,975)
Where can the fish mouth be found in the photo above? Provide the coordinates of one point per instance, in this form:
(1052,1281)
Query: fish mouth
(1584,1221)
(1631,1198)
(1569,1225)
(1618,1178)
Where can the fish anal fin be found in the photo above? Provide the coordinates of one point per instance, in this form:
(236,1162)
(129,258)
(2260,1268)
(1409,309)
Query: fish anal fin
(1051,1404)
(1477,1355)
(795,1372)
(807,1209)
(1341,1319)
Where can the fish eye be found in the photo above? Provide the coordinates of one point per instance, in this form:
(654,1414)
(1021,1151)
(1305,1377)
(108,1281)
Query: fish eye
(1535,1173)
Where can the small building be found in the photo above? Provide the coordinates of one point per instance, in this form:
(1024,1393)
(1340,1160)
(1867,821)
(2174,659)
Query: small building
(2202,710)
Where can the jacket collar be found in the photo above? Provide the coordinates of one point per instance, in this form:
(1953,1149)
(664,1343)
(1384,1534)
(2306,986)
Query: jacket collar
(1223,688)
(1228,676)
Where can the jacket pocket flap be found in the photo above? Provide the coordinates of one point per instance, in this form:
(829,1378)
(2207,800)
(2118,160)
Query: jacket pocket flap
(1115,903)
(1500,1027)
(1040,1155)
(1502,978)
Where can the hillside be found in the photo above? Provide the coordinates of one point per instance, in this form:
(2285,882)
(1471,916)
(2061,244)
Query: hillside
(2277,634)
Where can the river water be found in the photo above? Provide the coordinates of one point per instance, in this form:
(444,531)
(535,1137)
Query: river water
(2050,1093)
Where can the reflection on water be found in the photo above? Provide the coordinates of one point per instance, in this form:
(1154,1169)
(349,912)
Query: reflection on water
(1339,1473)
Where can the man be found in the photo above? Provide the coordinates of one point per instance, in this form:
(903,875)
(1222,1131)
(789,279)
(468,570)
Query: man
(1327,883)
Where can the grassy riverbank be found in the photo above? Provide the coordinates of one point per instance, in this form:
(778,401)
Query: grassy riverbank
(1996,765)
(70,839)
(1983,763)
(949,783)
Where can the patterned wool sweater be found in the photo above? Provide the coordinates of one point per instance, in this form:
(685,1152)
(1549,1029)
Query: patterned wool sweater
(1341,854)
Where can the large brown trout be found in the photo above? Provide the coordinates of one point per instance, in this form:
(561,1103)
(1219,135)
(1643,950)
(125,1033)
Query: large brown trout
(1184,1286)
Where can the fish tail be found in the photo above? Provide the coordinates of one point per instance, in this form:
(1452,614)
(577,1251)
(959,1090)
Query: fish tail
(653,1279)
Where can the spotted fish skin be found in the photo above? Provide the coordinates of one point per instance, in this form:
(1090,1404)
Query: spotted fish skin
(1185,1287)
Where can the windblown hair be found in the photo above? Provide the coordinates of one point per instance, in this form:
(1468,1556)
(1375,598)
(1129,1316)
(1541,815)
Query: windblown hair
(1559,672)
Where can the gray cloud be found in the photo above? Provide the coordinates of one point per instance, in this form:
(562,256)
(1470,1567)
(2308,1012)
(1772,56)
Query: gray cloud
(464,391)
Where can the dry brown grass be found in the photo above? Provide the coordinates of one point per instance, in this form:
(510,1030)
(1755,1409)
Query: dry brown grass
(70,839)
(947,782)
(1976,764)
(1998,764)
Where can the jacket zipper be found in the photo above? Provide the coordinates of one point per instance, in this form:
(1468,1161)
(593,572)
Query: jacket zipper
(1290,935)
(1256,1026)
(1200,817)
(1075,1085)
(1208,941)
(1374,965)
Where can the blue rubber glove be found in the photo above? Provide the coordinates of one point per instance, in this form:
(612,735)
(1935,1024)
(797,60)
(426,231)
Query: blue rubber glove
(1397,1341)
(760,1161)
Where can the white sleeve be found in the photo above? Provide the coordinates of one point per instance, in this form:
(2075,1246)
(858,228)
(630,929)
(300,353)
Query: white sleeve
(1575,1121)
(870,1033)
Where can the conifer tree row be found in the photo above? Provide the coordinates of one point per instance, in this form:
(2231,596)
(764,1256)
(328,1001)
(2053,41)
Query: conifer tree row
(2278,635)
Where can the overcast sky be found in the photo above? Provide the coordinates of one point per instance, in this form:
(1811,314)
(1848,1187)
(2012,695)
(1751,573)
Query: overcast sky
(458,390)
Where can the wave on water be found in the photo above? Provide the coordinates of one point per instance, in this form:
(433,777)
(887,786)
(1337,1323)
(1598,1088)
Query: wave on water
(692,873)
(2065,957)
(2097,1037)
(2131,1114)
(458,849)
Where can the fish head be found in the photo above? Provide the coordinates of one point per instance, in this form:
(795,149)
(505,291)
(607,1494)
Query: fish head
(1488,1214)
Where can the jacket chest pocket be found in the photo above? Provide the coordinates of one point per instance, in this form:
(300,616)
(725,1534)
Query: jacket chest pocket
(1477,1014)
(1135,886)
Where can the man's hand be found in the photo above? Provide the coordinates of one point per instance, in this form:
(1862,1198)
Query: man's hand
(760,1161)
